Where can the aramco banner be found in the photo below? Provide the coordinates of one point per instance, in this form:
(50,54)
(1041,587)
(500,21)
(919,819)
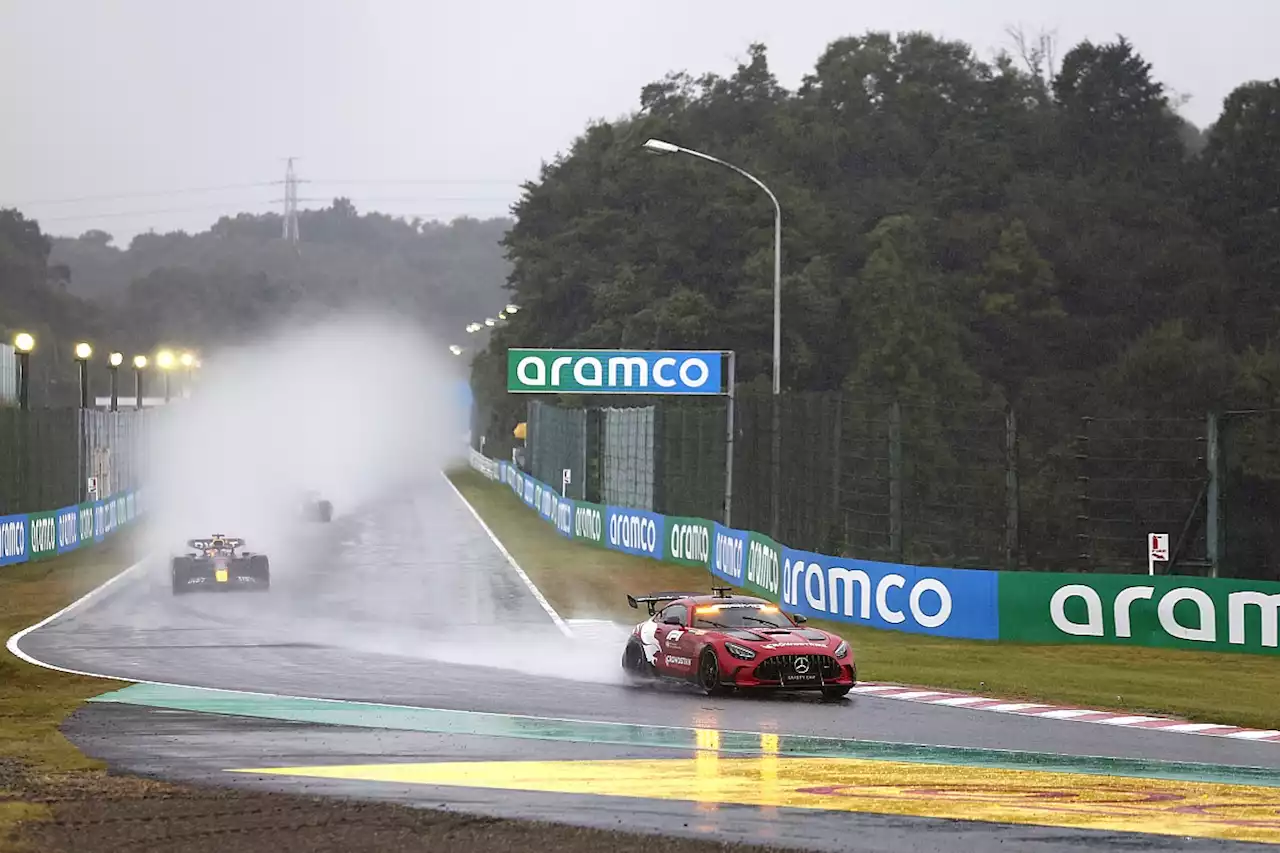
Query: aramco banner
(555,371)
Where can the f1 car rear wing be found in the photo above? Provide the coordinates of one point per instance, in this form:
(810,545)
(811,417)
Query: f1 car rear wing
(216,541)
(656,598)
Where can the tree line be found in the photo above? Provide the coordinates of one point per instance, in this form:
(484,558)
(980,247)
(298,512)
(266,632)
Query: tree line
(1050,237)
(238,278)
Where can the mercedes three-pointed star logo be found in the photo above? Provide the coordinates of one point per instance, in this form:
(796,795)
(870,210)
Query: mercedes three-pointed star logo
(802,665)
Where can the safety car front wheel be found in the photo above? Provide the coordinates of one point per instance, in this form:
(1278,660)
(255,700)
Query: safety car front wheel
(709,673)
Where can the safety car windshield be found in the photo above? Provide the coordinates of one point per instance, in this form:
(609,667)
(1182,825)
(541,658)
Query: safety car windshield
(740,616)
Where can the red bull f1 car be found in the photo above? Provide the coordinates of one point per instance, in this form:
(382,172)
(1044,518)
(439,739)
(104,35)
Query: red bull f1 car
(724,642)
(215,565)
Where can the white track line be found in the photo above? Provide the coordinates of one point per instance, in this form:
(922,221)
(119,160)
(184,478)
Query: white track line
(537,593)
(12,644)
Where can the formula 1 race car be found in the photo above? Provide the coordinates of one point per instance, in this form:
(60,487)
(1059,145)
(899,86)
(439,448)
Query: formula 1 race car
(215,565)
(315,508)
(723,642)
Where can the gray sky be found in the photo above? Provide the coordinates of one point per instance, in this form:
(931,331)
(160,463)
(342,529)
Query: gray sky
(442,109)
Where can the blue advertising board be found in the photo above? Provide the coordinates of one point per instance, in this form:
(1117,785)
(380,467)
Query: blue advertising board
(917,599)
(634,531)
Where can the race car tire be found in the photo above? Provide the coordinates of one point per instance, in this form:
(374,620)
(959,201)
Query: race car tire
(178,573)
(260,568)
(835,692)
(634,662)
(709,673)
(325,511)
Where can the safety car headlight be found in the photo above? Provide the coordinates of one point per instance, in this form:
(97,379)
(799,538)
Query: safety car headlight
(739,652)
(842,649)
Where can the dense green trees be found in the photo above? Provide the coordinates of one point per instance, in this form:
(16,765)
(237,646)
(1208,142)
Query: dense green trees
(952,226)
(1045,235)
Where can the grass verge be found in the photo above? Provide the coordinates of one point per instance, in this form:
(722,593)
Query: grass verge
(34,701)
(581,581)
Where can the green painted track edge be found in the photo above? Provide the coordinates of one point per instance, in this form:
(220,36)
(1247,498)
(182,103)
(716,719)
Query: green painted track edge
(484,724)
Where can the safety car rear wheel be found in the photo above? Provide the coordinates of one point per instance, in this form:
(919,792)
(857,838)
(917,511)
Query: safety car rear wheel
(634,662)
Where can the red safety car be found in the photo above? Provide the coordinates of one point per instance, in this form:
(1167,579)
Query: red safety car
(723,642)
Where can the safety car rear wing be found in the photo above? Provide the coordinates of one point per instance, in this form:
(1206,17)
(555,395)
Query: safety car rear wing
(655,598)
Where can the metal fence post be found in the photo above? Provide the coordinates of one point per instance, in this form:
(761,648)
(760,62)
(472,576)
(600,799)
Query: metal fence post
(836,516)
(1082,483)
(1011,490)
(728,442)
(1213,502)
(895,480)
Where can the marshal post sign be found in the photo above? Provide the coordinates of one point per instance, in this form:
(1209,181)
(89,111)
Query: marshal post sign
(554,371)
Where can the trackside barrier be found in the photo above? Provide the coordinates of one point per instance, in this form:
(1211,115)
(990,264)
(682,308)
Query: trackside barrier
(1031,607)
(39,535)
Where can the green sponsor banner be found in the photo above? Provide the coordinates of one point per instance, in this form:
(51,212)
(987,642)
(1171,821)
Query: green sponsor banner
(556,371)
(588,522)
(688,541)
(1136,610)
(42,534)
(763,576)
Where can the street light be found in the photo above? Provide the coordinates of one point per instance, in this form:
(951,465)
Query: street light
(24,343)
(455,349)
(511,309)
(83,352)
(660,146)
(139,365)
(188,361)
(489,321)
(115,360)
(164,360)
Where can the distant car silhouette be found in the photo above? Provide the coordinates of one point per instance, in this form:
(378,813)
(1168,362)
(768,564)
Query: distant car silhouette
(315,508)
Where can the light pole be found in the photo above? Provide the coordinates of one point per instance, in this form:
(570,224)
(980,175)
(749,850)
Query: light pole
(115,360)
(659,146)
(83,352)
(164,360)
(24,343)
(188,361)
(139,364)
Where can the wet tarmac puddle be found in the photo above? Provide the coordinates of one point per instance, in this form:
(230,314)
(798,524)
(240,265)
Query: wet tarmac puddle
(1079,801)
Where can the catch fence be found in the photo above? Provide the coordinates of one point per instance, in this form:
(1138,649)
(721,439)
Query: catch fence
(47,456)
(964,486)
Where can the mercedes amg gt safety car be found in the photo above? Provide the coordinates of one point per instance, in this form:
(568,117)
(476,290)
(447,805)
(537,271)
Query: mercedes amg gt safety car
(316,508)
(723,642)
(215,565)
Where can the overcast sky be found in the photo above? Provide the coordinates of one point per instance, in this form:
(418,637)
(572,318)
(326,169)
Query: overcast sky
(442,109)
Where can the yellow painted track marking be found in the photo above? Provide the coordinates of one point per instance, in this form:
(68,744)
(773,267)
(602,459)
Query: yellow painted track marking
(1206,810)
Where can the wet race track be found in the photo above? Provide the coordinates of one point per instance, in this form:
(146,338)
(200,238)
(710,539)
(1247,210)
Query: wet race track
(449,684)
